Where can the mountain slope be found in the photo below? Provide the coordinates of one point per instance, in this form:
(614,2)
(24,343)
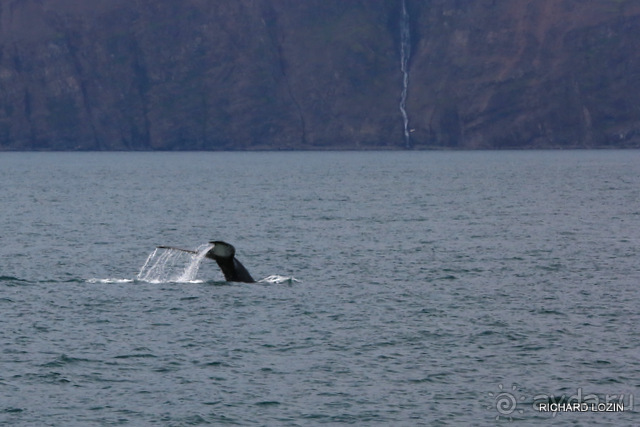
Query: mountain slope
(317,74)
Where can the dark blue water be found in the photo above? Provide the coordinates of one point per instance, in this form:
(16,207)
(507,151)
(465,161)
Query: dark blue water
(435,288)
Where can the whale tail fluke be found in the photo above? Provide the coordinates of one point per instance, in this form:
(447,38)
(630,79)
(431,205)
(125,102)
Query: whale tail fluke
(223,254)
(177,249)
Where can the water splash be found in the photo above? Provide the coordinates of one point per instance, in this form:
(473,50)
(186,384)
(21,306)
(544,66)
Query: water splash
(276,279)
(168,265)
(405,54)
(110,280)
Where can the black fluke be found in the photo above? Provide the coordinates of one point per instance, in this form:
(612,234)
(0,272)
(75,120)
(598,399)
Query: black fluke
(224,254)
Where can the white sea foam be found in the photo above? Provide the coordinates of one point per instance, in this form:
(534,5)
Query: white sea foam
(276,279)
(110,280)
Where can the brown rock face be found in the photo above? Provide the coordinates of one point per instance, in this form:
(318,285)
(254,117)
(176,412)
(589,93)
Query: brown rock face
(317,74)
(542,73)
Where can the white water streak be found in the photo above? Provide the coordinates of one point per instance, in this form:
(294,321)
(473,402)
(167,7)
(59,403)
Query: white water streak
(277,279)
(170,265)
(189,274)
(405,54)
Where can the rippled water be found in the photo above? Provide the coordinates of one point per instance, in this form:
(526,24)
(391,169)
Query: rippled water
(435,288)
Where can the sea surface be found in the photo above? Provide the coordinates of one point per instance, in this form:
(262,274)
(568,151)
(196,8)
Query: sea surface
(424,288)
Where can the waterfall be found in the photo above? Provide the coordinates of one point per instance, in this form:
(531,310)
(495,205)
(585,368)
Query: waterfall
(405,54)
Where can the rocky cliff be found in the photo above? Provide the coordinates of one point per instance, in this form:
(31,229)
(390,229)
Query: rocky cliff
(318,74)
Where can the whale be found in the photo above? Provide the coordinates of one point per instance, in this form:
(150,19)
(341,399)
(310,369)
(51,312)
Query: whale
(224,254)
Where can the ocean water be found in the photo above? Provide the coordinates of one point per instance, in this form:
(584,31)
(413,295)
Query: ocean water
(431,288)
